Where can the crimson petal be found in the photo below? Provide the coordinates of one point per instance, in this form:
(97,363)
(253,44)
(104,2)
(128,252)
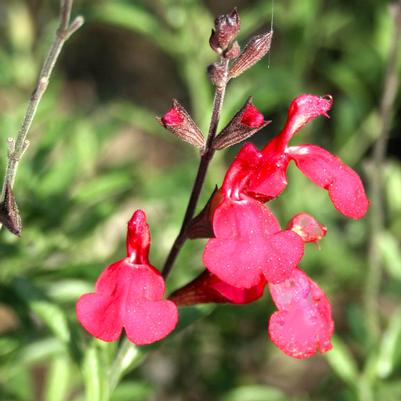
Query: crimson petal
(345,188)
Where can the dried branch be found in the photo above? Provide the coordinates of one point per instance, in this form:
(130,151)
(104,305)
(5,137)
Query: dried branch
(18,145)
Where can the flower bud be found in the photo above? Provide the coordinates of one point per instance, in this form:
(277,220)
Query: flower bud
(233,52)
(217,74)
(9,213)
(178,121)
(255,49)
(226,30)
(307,227)
(244,124)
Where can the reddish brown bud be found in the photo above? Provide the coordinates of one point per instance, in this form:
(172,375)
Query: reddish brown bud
(307,227)
(226,30)
(9,213)
(243,125)
(178,121)
(217,74)
(255,49)
(233,52)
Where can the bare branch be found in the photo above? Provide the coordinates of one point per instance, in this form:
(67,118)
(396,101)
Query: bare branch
(17,146)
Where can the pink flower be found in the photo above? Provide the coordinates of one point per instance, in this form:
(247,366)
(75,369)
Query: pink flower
(249,244)
(321,167)
(129,294)
(303,324)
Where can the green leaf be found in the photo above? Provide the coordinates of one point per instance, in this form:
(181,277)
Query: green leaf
(132,392)
(57,381)
(94,374)
(390,251)
(342,362)
(389,344)
(254,393)
(49,313)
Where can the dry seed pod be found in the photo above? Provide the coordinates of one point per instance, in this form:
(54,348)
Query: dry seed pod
(254,50)
(226,30)
(9,212)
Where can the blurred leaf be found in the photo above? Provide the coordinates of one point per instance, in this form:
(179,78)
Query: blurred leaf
(136,18)
(50,313)
(390,342)
(94,374)
(390,249)
(342,362)
(254,393)
(191,314)
(132,392)
(57,380)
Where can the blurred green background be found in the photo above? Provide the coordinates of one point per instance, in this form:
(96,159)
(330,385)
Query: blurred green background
(97,154)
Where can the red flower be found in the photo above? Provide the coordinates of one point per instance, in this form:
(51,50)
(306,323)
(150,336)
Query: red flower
(303,324)
(324,169)
(129,295)
(249,244)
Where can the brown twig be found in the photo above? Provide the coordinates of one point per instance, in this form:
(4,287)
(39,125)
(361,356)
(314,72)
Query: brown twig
(377,215)
(18,145)
(201,174)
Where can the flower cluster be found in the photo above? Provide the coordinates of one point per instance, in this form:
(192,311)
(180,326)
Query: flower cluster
(247,249)
(250,247)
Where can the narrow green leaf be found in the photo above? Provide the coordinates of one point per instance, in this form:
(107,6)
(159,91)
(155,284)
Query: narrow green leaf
(57,381)
(389,344)
(96,385)
(391,254)
(254,393)
(342,362)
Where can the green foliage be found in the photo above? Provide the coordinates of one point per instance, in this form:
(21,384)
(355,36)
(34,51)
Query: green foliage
(97,154)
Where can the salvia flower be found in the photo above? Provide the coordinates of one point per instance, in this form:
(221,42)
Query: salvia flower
(129,294)
(249,244)
(321,167)
(303,323)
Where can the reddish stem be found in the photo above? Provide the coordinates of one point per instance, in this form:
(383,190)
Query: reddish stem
(206,157)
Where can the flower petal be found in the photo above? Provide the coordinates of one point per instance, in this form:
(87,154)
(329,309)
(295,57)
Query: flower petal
(138,238)
(303,323)
(237,262)
(283,251)
(246,162)
(147,322)
(246,218)
(100,315)
(303,109)
(345,188)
